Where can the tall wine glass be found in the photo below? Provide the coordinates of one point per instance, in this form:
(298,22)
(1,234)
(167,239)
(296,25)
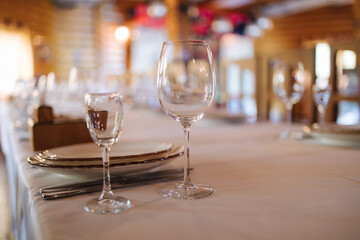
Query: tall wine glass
(321,94)
(186,88)
(288,85)
(104,119)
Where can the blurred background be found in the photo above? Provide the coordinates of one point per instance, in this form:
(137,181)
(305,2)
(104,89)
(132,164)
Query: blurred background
(65,48)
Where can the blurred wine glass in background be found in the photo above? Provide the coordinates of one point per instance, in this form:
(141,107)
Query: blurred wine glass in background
(321,93)
(288,85)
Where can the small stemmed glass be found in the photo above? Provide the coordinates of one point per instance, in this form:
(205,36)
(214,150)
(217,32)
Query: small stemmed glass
(186,88)
(321,92)
(104,119)
(289,86)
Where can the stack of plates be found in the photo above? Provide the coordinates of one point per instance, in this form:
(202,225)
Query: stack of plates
(125,157)
(333,134)
(225,115)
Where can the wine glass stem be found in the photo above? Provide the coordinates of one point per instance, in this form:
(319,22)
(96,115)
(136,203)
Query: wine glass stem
(321,118)
(321,114)
(289,107)
(187,157)
(106,192)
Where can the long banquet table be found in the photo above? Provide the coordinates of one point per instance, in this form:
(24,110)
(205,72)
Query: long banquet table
(266,188)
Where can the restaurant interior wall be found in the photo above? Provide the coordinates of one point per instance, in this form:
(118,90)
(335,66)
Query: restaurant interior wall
(298,33)
(294,36)
(345,80)
(34,20)
(85,40)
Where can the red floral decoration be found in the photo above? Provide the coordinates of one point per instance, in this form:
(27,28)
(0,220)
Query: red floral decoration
(142,18)
(238,18)
(202,24)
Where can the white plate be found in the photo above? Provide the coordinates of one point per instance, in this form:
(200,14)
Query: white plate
(341,135)
(91,152)
(124,166)
(115,160)
(223,114)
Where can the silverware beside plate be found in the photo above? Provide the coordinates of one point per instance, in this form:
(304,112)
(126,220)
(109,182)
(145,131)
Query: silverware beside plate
(63,191)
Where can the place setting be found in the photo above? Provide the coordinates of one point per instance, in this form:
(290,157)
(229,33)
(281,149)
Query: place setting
(129,161)
(221,117)
(326,133)
(136,162)
(334,134)
(289,85)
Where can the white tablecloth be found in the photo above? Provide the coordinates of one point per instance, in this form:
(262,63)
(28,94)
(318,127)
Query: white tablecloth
(266,188)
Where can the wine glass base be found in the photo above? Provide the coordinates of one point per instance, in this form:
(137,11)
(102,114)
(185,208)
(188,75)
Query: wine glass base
(186,192)
(291,135)
(107,205)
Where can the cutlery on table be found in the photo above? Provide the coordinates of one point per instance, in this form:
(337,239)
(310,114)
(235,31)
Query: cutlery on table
(63,191)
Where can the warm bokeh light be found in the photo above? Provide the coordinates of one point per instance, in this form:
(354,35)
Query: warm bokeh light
(349,59)
(122,34)
(156,10)
(265,23)
(322,60)
(16,60)
(222,25)
(253,30)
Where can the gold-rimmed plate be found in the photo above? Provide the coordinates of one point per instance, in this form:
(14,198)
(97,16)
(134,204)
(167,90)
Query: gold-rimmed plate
(225,115)
(91,152)
(117,166)
(334,134)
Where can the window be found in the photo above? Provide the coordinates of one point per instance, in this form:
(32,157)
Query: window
(347,84)
(16,59)
(238,63)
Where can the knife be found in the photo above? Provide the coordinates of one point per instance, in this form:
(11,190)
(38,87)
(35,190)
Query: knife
(57,192)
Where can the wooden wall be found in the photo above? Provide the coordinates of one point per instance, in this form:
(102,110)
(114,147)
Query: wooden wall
(33,16)
(75,35)
(84,38)
(111,54)
(300,30)
(293,38)
(74,40)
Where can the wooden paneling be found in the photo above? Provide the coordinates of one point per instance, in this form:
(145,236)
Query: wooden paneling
(74,37)
(35,16)
(80,36)
(356,13)
(111,57)
(293,31)
(294,38)
(173,18)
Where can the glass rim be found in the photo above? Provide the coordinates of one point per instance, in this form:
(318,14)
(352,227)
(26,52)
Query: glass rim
(103,94)
(190,41)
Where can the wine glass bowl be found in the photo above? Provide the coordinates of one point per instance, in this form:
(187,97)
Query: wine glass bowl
(186,80)
(289,86)
(186,89)
(321,95)
(104,120)
(104,126)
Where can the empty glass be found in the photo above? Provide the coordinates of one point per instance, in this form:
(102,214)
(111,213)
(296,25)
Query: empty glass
(321,96)
(288,85)
(186,88)
(104,119)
